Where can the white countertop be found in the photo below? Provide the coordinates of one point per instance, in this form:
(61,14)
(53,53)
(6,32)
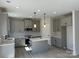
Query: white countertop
(33,39)
(38,39)
(8,41)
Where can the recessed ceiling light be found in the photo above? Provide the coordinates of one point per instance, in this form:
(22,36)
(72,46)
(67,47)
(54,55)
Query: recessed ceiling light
(30,16)
(38,10)
(17,7)
(54,12)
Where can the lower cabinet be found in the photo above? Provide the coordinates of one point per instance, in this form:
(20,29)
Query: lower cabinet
(53,41)
(40,46)
(19,42)
(56,42)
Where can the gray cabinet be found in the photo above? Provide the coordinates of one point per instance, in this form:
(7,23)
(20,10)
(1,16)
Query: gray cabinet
(16,25)
(56,42)
(28,23)
(66,21)
(19,26)
(56,24)
(3,24)
(19,42)
(53,41)
(40,46)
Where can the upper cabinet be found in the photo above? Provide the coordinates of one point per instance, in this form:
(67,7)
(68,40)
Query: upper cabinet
(28,23)
(3,24)
(16,25)
(66,21)
(19,26)
(32,25)
(56,24)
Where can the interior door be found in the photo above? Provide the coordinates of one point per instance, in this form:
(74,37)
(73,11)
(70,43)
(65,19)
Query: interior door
(64,37)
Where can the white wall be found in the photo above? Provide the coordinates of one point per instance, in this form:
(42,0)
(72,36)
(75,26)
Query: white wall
(75,32)
(45,32)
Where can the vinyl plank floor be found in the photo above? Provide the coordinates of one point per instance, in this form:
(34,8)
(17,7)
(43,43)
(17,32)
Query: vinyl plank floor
(53,52)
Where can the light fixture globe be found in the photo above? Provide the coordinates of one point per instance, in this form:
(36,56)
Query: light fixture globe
(35,25)
(44,25)
(35,19)
(44,20)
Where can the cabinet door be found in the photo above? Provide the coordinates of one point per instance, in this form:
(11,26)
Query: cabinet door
(28,23)
(53,41)
(67,21)
(19,26)
(3,24)
(58,42)
(19,42)
(56,25)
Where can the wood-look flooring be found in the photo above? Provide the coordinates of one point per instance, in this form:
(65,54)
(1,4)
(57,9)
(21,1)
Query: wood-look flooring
(53,52)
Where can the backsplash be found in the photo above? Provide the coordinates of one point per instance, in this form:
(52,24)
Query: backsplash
(22,34)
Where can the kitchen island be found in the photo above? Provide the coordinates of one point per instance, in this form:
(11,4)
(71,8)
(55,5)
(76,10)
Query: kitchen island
(39,45)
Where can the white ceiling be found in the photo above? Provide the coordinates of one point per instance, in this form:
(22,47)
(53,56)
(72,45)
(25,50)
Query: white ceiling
(50,7)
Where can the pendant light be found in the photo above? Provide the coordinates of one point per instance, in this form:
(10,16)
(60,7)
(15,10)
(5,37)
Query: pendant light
(44,20)
(35,19)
